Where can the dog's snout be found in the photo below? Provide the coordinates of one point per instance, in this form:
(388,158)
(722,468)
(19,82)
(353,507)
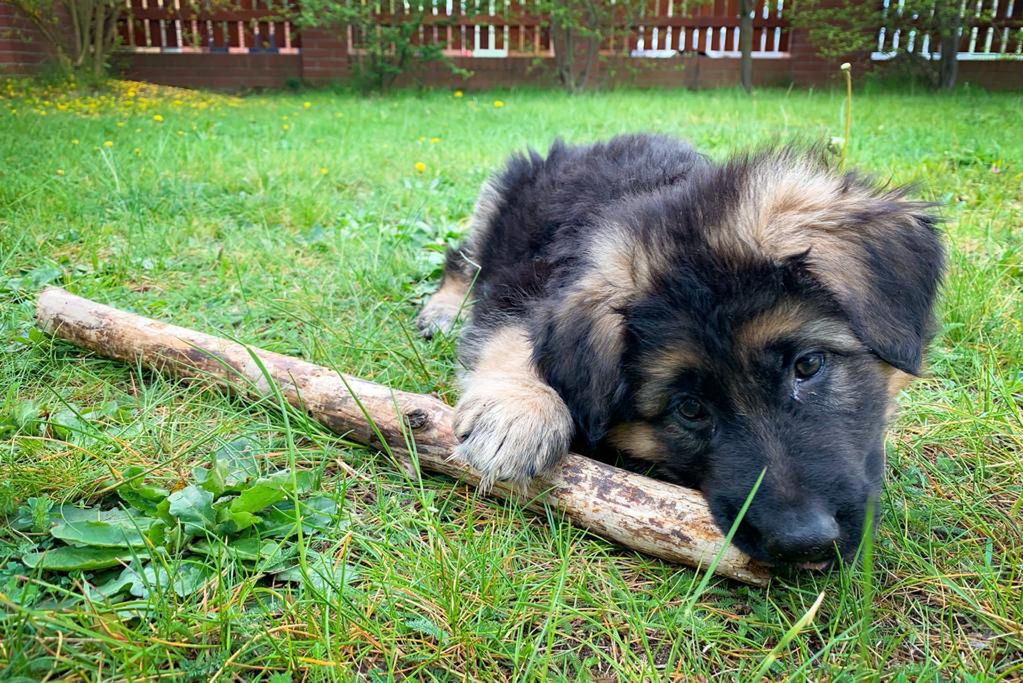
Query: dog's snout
(802,536)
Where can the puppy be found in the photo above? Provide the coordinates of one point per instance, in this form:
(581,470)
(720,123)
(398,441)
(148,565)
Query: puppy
(718,320)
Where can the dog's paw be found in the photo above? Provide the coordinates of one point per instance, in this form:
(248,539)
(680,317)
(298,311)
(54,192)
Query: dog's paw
(437,316)
(511,430)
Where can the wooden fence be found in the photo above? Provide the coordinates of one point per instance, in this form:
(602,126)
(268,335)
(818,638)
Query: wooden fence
(991,30)
(180,26)
(463,28)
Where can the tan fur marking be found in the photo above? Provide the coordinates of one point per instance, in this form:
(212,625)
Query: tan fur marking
(897,381)
(620,271)
(791,319)
(512,424)
(487,203)
(791,206)
(444,306)
(638,439)
(660,370)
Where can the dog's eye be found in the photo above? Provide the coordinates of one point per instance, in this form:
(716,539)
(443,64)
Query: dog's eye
(809,365)
(691,409)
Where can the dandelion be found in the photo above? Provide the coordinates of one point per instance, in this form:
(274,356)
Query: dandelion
(157,118)
(120,124)
(323,171)
(420,167)
(338,115)
(458,93)
(498,103)
(108,143)
(60,171)
(181,132)
(286,126)
(306,105)
(74,141)
(434,141)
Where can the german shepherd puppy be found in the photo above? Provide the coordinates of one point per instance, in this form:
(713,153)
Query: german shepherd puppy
(717,320)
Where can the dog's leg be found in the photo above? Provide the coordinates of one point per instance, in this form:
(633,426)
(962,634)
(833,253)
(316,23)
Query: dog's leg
(512,425)
(442,308)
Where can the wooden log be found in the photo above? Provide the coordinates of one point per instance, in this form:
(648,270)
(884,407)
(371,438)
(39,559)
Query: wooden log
(654,517)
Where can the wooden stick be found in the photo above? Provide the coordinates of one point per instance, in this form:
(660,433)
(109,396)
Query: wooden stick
(654,517)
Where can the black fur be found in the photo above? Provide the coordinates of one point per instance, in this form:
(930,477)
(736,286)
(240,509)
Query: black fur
(820,440)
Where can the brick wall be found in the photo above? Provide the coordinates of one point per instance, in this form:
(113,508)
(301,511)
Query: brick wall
(217,71)
(324,56)
(22,48)
(810,69)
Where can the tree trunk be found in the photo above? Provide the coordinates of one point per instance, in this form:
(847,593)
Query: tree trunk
(647,515)
(951,28)
(98,24)
(746,43)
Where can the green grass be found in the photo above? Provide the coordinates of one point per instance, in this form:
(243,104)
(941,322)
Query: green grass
(308,230)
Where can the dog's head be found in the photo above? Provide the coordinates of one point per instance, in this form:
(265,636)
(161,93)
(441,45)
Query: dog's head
(761,319)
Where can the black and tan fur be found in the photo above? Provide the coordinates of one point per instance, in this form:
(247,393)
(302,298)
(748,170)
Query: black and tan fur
(633,296)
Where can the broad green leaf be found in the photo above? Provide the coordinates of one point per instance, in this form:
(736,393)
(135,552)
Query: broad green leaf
(105,591)
(68,426)
(72,513)
(132,533)
(230,521)
(33,515)
(184,578)
(246,549)
(193,507)
(266,491)
(323,574)
(68,558)
(138,494)
(33,279)
(234,465)
(319,514)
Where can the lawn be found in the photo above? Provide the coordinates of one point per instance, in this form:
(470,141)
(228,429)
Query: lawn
(312,224)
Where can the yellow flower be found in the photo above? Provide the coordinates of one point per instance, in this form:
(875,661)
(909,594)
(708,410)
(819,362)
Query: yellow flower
(434,141)
(120,124)
(420,167)
(74,141)
(306,105)
(338,115)
(323,171)
(458,93)
(498,103)
(137,151)
(108,144)
(286,126)
(157,118)
(60,171)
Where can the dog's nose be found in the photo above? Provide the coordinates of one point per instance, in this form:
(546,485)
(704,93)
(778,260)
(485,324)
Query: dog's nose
(804,536)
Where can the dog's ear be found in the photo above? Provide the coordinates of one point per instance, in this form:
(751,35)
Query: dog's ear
(578,347)
(876,252)
(883,263)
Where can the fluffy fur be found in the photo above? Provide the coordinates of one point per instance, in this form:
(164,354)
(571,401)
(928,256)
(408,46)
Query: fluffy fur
(718,320)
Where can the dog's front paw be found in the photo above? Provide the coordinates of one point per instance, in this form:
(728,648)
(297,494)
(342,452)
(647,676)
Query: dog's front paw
(511,430)
(437,316)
